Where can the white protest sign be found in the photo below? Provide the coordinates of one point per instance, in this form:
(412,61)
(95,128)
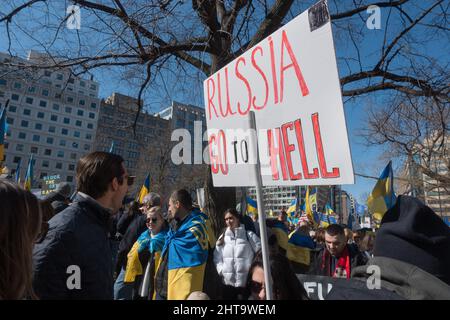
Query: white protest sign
(290,80)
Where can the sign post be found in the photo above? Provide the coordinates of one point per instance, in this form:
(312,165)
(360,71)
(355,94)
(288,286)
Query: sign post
(261,209)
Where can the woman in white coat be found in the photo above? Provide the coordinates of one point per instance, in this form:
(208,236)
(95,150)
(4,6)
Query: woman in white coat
(234,254)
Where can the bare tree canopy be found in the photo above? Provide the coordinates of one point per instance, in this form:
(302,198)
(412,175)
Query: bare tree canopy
(159,45)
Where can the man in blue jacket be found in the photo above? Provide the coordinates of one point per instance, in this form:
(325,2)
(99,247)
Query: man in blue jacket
(74,259)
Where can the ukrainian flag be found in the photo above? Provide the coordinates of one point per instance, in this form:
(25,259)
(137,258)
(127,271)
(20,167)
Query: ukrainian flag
(281,232)
(144,190)
(188,252)
(292,208)
(29,176)
(324,220)
(153,244)
(252,206)
(332,219)
(310,200)
(382,197)
(2,133)
(299,247)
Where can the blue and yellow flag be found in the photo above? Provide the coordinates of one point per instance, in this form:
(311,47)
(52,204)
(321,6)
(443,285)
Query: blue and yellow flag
(29,176)
(281,232)
(153,244)
(187,254)
(145,189)
(252,206)
(292,208)
(2,133)
(299,247)
(382,197)
(310,204)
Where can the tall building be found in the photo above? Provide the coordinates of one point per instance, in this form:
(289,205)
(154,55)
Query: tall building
(51,115)
(188,163)
(141,151)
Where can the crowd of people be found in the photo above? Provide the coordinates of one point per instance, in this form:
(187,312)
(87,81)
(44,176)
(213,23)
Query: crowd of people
(102,245)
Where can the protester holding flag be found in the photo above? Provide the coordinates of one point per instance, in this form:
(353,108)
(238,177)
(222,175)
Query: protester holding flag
(233,255)
(137,225)
(144,257)
(185,252)
(79,235)
(338,258)
(20,225)
(411,253)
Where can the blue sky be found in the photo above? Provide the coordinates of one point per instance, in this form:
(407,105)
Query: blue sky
(366,160)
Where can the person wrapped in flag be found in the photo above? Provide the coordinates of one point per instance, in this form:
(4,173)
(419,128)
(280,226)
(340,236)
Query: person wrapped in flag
(185,252)
(299,249)
(145,255)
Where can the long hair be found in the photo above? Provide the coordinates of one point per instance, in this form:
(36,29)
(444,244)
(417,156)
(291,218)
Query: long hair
(234,213)
(285,284)
(20,224)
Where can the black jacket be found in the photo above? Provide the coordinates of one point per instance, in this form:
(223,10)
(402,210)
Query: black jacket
(134,230)
(399,280)
(356,259)
(77,238)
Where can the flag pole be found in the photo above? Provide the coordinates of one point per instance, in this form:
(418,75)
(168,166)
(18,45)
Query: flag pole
(261,209)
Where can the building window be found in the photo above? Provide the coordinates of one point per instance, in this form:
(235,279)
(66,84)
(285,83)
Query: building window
(71,167)
(76,134)
(43,104)
(58,165)
(38,126)
(15,97)
(34,150)
(50,140)
(66,120)
(90,126)
(3,82)
(59,76)
(69,178)
(91,115)
(12,108)
(75,145)
(47,73)
(82,102)
(93,105)
(45,164)
(52,129)
(88,136)
(73,156)
(16,159)
(80,113)
(82,84)
(10,121)
(68,109)
(60,154)
(86,147)
(47,152)
(27,112)
(45,93)
(40,115)
(62,143)
(29,100)
(19,147)
(70,99)
(78,123)
(56,107)
(36,138)
(22,135)
(64,131)
(54,117)
(24,124)
(17,85)
(31,89)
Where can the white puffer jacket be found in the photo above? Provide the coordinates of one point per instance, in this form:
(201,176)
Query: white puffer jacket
(234,257)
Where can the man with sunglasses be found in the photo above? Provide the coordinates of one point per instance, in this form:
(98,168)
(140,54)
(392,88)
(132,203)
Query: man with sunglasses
(74,259)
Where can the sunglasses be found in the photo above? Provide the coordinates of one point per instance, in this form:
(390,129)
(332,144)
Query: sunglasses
(152,220)
(130,180)
(256,287)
